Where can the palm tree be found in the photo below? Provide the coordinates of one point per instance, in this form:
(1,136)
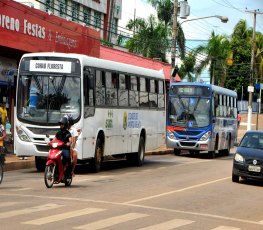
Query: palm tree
(187,69)
(164,10)
(259,56)
(150,39)
(216,52)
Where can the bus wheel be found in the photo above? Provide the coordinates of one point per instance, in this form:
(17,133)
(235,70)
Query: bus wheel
(40,164)
(96,161)
(227,151)
(137,158)
(177,152)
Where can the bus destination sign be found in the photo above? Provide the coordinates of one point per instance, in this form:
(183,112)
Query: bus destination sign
(50,66)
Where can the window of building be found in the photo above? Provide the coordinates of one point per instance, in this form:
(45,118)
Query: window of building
(87,15)
(75,11)
(114,27)
(50,6)
(62,8)
(97,19)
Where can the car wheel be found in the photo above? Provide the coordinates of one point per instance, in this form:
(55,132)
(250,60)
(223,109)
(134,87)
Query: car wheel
(235,178)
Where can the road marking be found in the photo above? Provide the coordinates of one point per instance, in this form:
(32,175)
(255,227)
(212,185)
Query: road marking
(44,207)
(21,189)
(63,216)
(6,204)
(175,191)
(172,224)
(225,228)
(111,221)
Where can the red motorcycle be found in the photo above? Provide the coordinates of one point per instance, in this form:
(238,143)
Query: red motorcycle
(56,171)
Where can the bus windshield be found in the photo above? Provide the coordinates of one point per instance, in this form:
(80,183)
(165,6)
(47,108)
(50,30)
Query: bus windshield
(45,98)
(189,111)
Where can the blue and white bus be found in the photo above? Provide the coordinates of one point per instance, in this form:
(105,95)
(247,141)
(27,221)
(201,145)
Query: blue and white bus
(118,109)
(201,117)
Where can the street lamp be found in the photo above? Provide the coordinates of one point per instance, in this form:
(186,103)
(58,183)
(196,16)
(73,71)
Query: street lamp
(223,19)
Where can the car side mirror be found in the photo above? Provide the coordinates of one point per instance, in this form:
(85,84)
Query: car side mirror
(236,144)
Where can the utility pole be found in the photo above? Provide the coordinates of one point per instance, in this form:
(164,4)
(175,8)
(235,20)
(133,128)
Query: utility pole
(174,34)
(251,87)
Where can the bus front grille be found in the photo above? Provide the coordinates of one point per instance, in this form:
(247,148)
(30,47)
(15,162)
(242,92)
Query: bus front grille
(187,143)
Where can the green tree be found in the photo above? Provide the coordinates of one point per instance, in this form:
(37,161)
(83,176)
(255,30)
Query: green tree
(216,52)
(239,73)
(164,9)
(187,69)
(150,39)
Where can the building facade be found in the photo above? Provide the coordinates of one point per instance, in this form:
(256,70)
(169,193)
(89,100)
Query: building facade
(102,15)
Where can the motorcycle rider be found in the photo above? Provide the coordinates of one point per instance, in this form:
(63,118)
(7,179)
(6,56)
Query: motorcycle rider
(74,136)
(64,135)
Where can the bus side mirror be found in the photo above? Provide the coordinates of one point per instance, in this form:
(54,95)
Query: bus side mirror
(214,120)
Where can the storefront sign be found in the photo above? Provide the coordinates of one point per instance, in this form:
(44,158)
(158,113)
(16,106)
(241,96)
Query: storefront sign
(31,30)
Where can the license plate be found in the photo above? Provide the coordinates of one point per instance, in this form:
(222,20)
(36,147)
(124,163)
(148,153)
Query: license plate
(253,168)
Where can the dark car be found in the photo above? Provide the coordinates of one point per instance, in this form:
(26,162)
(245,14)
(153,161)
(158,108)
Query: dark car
(248,159)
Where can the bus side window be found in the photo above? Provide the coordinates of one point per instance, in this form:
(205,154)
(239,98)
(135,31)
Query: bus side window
(144,97)
(134,92)
(88,87)
(123,90)
(161,99)
(100,87)
(153,93)
(111,88)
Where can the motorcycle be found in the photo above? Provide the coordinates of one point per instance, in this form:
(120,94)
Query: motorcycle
(55,170)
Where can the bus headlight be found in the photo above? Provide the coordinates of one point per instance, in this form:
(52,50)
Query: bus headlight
(22,134)
(205,136)
(171,135)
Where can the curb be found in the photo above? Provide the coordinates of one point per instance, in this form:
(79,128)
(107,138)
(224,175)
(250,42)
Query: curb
(26,164)
(10,166)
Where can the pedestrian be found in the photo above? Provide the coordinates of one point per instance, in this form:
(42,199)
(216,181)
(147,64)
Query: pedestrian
(3,114)
(2,135)
(238,119)
(74,135)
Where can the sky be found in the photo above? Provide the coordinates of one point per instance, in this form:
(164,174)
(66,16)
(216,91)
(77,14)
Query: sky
(199,31)
(202,28)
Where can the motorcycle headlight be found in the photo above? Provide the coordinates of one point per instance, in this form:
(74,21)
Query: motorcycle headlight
(239,158)
(171,135)
(205,136)
(22,134)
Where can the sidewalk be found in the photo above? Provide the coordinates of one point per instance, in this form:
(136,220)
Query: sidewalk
(14,163)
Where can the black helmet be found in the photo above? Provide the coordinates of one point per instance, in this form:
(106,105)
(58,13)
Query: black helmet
(70,120)
(64,121)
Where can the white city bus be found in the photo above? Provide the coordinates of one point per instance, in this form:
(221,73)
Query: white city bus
(118,109)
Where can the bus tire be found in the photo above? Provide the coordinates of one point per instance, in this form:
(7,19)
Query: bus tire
(137,158)
(177,152)
(96,161)
(227,150)
(40,164)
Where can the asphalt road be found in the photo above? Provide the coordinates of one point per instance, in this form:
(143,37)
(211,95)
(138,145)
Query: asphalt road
(167,192)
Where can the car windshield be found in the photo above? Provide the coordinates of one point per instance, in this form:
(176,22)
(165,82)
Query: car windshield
(189,111)
(252,140)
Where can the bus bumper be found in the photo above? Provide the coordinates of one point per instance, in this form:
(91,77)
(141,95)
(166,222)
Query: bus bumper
(189,144)
(22,148)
